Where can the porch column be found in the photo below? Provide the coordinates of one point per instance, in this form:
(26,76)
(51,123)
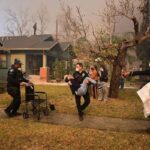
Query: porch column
(44,70)
(44,59)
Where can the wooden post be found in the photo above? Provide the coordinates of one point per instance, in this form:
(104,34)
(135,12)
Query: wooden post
(44,59)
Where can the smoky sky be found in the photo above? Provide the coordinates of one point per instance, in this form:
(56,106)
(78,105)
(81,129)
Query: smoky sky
(88,7)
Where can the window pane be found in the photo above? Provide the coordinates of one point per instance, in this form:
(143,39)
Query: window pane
(3,61)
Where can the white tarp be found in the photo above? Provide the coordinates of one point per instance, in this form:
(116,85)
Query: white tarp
(144,94)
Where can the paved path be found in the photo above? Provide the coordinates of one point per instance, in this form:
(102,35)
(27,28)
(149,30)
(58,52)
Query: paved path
(93,122)
(102,123)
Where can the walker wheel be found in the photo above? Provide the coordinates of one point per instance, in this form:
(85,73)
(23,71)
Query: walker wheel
(45,112)
(34,112)
(25,115)
(52,107)
(38,116)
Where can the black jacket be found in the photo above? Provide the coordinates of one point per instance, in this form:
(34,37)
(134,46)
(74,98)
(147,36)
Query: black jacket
(144,72)
(78,79)
(15,77)
(141,73)
(103,76)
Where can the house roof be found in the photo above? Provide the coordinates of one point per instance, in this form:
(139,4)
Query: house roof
(65,45)
(37,42)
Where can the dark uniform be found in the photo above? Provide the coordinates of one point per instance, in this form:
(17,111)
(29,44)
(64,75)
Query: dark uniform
(144,73)
(14,78)
(141,73)
(79,77)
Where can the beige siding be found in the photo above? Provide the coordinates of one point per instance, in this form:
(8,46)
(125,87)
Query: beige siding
(3,61)
(3,56)
(22,57)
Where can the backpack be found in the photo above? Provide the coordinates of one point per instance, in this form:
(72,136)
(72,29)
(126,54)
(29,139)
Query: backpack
(103,74)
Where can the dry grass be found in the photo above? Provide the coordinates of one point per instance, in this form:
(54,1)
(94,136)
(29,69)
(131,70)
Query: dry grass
(28,135)
(24,135)
(127,106)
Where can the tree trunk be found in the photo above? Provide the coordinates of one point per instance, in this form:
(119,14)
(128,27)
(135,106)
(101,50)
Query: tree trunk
(118,65)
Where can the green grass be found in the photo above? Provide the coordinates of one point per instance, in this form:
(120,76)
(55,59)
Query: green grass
(30,135)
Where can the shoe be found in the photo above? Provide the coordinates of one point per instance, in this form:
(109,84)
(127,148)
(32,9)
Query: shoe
(81,116)
(8,113)
(16,114)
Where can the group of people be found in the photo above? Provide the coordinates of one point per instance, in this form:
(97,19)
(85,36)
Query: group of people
(97,80)
(80,82)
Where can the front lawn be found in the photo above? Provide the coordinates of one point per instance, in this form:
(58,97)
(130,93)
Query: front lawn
(127,106)
(19,134)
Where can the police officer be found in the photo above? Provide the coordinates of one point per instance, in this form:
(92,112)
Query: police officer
(80,75)
(14,78)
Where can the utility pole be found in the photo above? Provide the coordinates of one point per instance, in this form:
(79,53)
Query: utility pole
(56,29)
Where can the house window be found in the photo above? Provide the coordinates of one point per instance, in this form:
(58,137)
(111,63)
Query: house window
(3,61)
(34,62)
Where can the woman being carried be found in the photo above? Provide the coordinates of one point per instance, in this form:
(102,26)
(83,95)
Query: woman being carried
(79,89)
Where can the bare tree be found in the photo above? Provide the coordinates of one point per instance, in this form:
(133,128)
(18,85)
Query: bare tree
(76,30)
(42,19)
(74,22)
(103,34)
(89,40)
(17,23)
(21,22)
(101,46)
(116,9)
(109,18)
(126,9)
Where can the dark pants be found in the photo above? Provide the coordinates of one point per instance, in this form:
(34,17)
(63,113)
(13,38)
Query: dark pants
(94,91)
(84,105)
(122,83)
(14,105)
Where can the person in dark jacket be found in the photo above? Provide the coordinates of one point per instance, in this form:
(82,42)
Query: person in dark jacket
(143,72)
(140,73)
(144,92)
(79,76)
(14,78)
(102,86)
